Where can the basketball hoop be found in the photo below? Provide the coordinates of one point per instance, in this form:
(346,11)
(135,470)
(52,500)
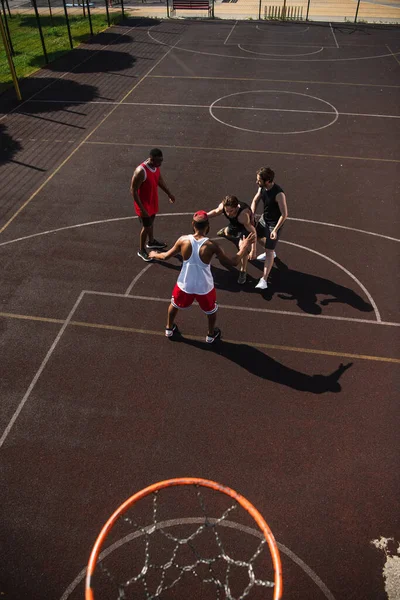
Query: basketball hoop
(185,553)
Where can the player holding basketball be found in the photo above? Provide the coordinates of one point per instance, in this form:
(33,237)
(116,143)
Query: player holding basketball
(275,213)
(144,188)
(241,223)
(195,281)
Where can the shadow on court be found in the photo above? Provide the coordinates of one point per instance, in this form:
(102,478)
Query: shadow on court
(302,288)
(91,61)
(261,365)
(8,146)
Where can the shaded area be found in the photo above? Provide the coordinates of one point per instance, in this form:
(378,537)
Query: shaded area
(8,146)
(303,288)
(91,61)
(263,366)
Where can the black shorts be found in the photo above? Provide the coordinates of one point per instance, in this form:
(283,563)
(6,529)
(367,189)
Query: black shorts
(264,231)
(147,221)
(237,232)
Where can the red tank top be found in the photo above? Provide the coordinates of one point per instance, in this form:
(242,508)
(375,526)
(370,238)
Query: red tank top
(148,191)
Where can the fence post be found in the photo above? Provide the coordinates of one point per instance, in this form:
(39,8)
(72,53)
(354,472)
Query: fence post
(358,6)
(10,60)
(46,58)
(89,17)
(107,12)
(168,9)
(123,9)
(51,14)
(308,9)
(68,26)
(7,30)
(259,10)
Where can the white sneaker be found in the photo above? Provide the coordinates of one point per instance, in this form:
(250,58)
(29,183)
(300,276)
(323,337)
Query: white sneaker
(262,284)
(262,256)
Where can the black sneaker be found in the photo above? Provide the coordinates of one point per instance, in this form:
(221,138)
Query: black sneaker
(170,332)
(144,256)
(210,339)
(154,245)
(221,232)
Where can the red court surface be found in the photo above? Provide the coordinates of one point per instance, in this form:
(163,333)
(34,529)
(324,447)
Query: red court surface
(296,407)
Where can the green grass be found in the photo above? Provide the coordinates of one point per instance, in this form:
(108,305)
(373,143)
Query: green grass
(27,45)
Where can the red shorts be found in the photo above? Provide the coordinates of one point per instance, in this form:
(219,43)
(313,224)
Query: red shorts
(207,302)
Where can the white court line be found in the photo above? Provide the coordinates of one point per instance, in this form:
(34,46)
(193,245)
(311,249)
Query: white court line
(253,309)
(238,57)
(392,53)
(138,276)
(334,36)
(62,76)
(198,521)
(183,214)
(230,33)
(358,282)
(39,371)
(321,49)
(173,105)
(85,139)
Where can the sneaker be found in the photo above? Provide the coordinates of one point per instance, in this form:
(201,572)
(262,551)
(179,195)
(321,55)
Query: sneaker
(262,256)
(221,232)
(262,284)
(242,277)
(170,332)
(144,256)
(210,339)
(154,245)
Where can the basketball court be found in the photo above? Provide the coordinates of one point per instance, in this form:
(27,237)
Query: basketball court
(296,408)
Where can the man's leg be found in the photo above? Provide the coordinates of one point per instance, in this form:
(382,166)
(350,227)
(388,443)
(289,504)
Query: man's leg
(145,234)
(172,312)
(153,244)
(212,319)
(269,261)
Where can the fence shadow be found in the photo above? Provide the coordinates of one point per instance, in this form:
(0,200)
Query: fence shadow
(85,60)
(8,146)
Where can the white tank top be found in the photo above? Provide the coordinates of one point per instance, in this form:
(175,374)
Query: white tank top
(195,276)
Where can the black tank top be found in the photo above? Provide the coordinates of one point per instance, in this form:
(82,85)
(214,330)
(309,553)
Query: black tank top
(272,212)
(234,220)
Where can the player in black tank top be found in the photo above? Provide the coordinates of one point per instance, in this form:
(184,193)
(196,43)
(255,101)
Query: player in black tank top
(241,224)
(274,215)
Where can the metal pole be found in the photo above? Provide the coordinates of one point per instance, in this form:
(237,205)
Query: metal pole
(7,30)
(10,60)
(358,6)
(168,9)
(8,8)
(284,10)
(259,10)
(40,31)
(123,9)
(68,26)
(51,14)
(108,12)
(308,10)
(89,17)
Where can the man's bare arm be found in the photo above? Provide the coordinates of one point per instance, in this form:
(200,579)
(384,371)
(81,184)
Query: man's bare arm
(255,201)
(176,249)
(137,180)
(281,200)
(225,260)
(245,220)
(165,188)
(216,211)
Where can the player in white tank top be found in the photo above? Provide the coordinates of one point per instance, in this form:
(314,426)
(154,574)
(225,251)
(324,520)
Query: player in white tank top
(195,281)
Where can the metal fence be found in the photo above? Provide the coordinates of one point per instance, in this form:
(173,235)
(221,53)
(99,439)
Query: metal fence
(36,32)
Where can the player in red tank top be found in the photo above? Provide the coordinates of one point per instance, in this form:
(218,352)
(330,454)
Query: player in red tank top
(144,188)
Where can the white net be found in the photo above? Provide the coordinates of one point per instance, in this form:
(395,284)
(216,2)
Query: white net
(203,557)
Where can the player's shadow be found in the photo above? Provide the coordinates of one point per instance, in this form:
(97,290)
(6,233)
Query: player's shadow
(302,288)
(261,365)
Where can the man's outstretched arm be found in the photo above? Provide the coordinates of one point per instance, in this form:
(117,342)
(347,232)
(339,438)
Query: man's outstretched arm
(244,246)
(176,249)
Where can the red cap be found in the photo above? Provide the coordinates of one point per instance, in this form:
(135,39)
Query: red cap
(200,216)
